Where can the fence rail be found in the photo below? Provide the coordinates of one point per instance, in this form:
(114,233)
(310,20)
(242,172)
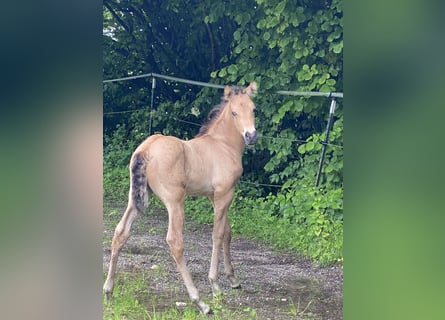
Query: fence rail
(219,86)
(330,95)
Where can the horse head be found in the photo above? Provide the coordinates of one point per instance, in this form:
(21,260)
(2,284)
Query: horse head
(242,109)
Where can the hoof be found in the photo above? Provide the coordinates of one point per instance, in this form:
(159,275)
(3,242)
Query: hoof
(234,282)
(216,290)
(109,295)
(236,286)
(205,309)
(108,289)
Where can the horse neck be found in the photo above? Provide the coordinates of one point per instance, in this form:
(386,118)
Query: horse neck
(225,131)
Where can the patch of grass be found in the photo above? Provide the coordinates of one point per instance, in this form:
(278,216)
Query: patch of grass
(125,303)
(132,300)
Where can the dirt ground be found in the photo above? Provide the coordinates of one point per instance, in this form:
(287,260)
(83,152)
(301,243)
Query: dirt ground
(271,283)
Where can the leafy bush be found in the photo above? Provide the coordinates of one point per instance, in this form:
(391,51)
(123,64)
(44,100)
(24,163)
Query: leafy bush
(117,153)
(306,221)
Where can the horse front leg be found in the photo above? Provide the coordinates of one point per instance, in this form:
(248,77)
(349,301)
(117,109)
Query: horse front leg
(176,243)
(221,205)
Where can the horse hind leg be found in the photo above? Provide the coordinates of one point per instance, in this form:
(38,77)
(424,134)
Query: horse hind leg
(138,199)
(121,235)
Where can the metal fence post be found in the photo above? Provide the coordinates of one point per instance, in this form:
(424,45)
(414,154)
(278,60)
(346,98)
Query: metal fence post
(153,86)
(326,140)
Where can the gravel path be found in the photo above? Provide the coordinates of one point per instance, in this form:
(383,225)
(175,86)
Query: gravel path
(272,283)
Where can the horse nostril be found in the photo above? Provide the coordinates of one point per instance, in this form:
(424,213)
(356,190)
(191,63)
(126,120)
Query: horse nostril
(251,137)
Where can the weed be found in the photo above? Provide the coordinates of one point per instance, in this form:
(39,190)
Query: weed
(304,314)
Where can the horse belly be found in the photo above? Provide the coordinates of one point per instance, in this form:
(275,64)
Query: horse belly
(199,185)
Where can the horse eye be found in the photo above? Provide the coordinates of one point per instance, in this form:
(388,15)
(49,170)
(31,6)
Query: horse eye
(254,110)
(234,113)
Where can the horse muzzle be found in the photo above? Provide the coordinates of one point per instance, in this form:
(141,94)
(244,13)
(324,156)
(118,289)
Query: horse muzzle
(250,137)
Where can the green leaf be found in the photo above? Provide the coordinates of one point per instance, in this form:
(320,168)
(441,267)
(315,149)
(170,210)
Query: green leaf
(266,36)
(302,149)
(337,47)
(232,69)
(321,53)
(276,117)
(298,54)
(274,178)
(280,7)
(326,88)
(286,107)
(237,35)
(329,168)
(309,146)
(326,26)
(288,212)
(269,167)
(298,106)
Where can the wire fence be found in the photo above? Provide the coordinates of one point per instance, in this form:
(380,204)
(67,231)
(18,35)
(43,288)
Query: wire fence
(219,86)
(199,125)
(330,95)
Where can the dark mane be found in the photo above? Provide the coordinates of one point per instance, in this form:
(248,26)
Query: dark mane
(216,110)
(212,116)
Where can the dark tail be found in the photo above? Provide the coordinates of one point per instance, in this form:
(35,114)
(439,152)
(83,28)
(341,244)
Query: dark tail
(139,186)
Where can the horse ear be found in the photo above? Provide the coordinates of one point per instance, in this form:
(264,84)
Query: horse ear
(251,89)
(227,92)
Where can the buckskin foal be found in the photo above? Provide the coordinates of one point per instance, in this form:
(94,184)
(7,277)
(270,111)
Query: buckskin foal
(208,165)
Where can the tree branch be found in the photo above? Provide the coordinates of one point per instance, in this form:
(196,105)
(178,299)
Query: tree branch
(119,20)
(212,46)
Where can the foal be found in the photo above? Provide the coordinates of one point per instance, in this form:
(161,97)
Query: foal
(208,165)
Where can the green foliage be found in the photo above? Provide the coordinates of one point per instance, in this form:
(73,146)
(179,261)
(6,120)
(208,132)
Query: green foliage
(332,169)
(115,163)
(306,221)
(281,44)
(287,46)
(200,209)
